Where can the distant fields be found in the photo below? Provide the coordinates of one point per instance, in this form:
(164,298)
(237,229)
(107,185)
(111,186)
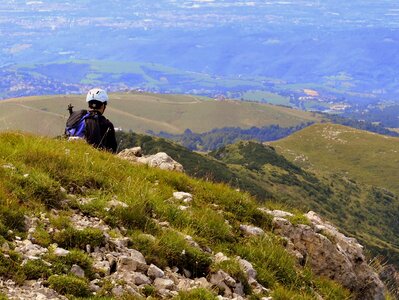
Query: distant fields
(141,112)
(367,157)
(266,97)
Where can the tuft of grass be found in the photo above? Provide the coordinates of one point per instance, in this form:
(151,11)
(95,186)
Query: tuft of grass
(63,264)
(196,294)
(171,249)
(36,269)
(72,238)
(10,267)
(299,219)
(69,285)
(42,237)
(281,293)
(106,288)
(329,289)
(211,225)
(149,290)
(38,186)
(61,221)
(135,217)
(276,265)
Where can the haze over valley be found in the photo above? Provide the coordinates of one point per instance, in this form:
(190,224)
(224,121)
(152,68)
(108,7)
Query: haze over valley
(313,55)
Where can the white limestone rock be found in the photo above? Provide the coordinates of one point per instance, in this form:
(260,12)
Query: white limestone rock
(140,278)
(164,284)
(61,252)
(252,230)
(162,161)
(155,272)
(332,254)
(115,203)
(78,271)
(277,213)
(247,267)
(131,154)
(220,257)
(182,196)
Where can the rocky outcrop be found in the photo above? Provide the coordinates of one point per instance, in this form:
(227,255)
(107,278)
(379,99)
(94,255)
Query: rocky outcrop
(160,160)
(331,254)
(319,244)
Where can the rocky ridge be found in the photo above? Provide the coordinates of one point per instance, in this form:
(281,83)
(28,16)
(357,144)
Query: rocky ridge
(329,253)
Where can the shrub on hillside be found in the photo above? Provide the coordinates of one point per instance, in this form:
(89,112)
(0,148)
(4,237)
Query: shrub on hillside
(173,250)
(41,237)
(69,285)
(63,264)
(10,267)
(36,269)
(196,294)
(73,238)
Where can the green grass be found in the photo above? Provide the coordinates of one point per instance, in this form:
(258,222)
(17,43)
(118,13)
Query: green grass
(89,173)
(69,285)
(361,155)
(196,294)
(70,238)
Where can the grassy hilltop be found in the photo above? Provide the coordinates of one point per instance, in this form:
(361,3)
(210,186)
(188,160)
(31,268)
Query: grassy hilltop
(38,175)
(142,112)
(361,155)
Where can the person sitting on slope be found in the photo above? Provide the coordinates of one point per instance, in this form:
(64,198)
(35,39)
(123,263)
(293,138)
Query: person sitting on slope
(92,125)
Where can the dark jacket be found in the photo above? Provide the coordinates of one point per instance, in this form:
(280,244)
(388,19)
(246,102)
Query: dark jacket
(100,132)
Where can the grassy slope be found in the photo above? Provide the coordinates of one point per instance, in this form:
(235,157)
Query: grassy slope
(361,155)
(195,164)
(143,112)
(367,213)
(34,169)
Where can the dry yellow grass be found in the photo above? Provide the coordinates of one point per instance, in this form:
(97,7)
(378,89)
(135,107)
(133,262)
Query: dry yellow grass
(141,112)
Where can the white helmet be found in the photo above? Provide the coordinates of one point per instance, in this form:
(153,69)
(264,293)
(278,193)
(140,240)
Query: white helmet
(97,94)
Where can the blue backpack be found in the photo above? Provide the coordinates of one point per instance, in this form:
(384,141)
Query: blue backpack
(76,124)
